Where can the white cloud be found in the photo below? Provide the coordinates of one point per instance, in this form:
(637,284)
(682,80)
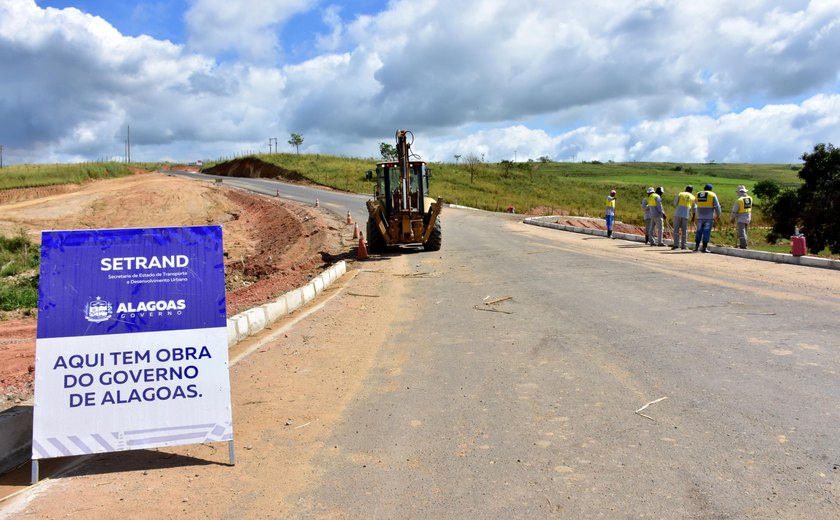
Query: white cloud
(651,80)
(332,18)
(247,28)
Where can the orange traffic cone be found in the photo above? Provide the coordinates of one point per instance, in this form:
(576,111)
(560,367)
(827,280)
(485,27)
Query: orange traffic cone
(362,253)
(349,218)
(356,231)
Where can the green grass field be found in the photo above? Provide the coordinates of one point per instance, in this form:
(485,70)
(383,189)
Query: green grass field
(579,188)
(31,175)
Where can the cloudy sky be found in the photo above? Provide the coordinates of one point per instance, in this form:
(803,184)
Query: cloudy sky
(573,80)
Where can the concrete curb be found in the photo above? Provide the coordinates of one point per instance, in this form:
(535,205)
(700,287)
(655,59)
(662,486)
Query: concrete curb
(16,423)
(766,256)
(252,321)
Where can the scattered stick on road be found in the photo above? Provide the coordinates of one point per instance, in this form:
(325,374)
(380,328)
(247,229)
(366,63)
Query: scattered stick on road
(638,412)
(488,306)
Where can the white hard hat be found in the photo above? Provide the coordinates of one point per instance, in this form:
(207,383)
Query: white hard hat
(741,189)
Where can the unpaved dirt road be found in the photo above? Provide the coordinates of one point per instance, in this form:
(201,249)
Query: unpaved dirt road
(501,378)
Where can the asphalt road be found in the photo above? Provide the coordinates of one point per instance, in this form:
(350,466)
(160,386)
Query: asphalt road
(523,356)
(336,201)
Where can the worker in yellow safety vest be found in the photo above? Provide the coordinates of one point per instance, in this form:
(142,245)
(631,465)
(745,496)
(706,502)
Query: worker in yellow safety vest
(657,216)
(609,215)
(686,206)
(741,215)
(646,210)
(708,209)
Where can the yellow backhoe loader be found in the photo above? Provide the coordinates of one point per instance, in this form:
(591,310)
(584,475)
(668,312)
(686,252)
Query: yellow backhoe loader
(401,211)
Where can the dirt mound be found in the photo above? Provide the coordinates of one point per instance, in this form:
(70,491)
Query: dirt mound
(254,168)
(292,244)
(271,246)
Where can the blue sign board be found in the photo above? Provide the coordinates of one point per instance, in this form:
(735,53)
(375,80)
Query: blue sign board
(131,280)
(131,347)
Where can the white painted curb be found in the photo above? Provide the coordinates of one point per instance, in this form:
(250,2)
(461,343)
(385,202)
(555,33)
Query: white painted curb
(308,292)
(254,320)
(294,299)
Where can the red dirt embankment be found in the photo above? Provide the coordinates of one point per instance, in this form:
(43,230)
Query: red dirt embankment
(254,168)
(271,246)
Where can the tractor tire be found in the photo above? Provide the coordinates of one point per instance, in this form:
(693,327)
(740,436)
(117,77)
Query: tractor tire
(375,240)
(435,239)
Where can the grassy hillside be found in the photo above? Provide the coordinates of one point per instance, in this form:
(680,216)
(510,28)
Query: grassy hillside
(31,175)
(579,188)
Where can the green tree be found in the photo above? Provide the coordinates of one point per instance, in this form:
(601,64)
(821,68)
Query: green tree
(814,205)
(296,141)
(388,151)
(820,198)
(784,213)
(767,190)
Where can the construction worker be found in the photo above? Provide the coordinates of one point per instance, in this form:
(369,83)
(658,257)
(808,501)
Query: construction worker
(741,215)
(610,213)
(708,209)
(657,216)
(646,210)
(686,206)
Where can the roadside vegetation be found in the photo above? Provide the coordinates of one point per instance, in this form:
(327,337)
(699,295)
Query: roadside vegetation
(19,260)
(814,205)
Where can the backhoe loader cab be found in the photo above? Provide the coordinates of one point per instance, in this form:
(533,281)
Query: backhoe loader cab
(388,182)
(402,212)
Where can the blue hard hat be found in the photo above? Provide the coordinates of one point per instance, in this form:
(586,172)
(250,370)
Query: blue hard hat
(708,187)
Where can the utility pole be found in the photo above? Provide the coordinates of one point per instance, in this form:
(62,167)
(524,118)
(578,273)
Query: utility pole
(270,139)
(128,145)
(1,155)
